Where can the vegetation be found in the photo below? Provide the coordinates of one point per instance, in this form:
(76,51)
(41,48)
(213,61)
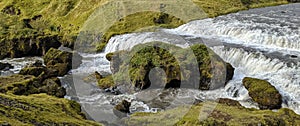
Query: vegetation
(40,109)
(263,93)
(222,114)
(177,63)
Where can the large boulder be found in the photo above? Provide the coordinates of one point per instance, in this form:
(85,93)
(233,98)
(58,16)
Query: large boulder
(61,61)
(263,93)
(160,65)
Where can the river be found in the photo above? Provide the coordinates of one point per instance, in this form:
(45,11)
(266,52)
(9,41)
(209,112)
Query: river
(263,43)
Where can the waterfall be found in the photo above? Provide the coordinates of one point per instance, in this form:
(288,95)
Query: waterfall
(262,43)
(254,64)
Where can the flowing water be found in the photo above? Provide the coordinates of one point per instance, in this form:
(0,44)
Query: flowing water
(262,43)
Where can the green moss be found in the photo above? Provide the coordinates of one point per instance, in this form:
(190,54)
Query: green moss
(221,115)
(16,83)
(263,93)
(106,82)
(40,109)
(176,62)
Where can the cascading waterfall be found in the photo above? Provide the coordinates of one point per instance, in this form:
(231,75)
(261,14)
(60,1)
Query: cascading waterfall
(271,29)
(254,64)
(267,31)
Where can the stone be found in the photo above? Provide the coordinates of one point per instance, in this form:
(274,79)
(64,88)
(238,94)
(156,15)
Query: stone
(262,92)
(122,109)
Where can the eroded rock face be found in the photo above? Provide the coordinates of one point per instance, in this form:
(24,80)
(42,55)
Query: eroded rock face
(61,61)
(263,93)
(166,66)
(28,46)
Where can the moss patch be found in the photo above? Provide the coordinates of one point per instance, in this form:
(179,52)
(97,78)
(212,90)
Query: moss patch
(263,93)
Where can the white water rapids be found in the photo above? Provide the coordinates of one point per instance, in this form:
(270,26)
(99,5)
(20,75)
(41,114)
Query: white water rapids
(262,43)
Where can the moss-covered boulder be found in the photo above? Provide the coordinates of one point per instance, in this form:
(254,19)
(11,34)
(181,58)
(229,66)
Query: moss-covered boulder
(262,92)
(122,109)
(52,86)
(224,114)
(163,65)
(40,110)
(61,61)
(106,82)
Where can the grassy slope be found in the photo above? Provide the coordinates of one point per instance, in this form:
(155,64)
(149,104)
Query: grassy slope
(40,109)
(221,115)
(66,17)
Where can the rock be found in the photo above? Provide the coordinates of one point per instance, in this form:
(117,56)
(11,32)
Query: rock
(39,71)
(122,109)
(109,56)
(34,45)
(35,71)
(263,93)
(29,84)
(98,75)
(106,82)
(53,87)
(61,61)
(155,66)
(294,56)
(95,77)
(5,66)
(115,60)
(61,68)
(229,72)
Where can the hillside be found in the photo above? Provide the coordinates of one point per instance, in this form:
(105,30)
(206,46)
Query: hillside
(63,20)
